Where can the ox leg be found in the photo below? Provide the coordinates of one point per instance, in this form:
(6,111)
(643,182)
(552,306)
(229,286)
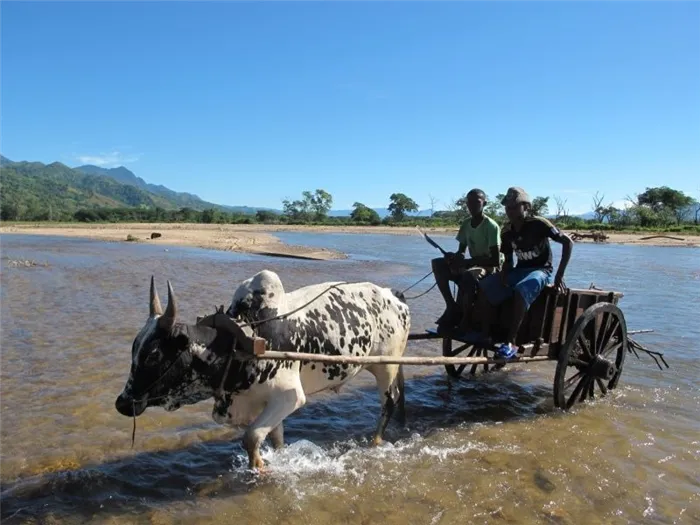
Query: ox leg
(277,436)
(282,404)
(390,386)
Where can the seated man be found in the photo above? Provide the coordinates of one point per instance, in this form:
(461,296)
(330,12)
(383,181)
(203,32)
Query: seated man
(482,235)
(528,236)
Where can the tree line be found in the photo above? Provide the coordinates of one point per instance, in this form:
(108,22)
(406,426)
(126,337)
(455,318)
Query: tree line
(655,208)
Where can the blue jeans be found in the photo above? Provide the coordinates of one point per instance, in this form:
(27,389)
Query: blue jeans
(528,282)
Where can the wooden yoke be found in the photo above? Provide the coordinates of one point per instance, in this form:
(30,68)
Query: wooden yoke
(247,341)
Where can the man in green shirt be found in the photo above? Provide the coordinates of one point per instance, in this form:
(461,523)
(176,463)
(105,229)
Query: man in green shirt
(482,235)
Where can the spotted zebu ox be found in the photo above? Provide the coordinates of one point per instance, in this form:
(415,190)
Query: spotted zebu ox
(175,364)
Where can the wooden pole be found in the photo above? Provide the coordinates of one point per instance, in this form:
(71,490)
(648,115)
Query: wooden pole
(389,360)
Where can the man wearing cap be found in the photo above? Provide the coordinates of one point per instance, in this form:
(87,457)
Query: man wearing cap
(481,234)
(527,237)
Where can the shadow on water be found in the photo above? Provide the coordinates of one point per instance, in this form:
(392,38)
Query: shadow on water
(217,469)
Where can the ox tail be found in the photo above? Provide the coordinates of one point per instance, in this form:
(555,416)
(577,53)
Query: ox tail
(401,401)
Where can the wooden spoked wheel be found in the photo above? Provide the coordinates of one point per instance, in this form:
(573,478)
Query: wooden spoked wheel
(592,357)
(452,370)
(457,370)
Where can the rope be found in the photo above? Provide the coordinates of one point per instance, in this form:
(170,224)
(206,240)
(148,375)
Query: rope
(413,298)
(252,324)
(417,282)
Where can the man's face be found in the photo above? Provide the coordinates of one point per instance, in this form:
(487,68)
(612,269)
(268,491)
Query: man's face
(515,211)
(475,204)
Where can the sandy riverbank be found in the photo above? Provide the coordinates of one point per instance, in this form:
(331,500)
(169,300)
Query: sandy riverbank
(260,238)
(211,236)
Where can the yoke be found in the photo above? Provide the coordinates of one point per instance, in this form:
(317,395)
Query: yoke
(249,343)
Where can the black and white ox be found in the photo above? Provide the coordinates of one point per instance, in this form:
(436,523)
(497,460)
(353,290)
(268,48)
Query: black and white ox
(175,364)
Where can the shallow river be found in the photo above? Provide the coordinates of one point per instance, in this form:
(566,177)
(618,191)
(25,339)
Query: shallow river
(488,449)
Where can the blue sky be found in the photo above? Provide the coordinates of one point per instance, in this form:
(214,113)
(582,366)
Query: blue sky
(252,102)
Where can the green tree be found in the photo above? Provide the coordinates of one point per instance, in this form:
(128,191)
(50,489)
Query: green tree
(321,202)
(666,202)
(540,206)
(494,208)
(266,216)
(364,214)
(298,210)
(400,205)
(314,205)
(211,216)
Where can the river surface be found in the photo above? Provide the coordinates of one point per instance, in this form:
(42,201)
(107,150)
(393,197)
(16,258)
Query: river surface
(484,449)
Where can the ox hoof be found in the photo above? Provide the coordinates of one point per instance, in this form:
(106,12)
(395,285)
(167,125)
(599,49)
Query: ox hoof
(257,463)
(377,441)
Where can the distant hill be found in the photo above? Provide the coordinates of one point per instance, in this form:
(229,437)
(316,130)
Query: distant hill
(59,191)
(35,189)
(177,199)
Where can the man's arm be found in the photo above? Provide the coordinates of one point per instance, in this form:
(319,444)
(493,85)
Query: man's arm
(567,246)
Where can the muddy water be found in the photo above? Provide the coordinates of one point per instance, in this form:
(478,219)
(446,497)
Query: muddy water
(482,450)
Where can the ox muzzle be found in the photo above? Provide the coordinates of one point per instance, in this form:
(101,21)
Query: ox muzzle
(130,407)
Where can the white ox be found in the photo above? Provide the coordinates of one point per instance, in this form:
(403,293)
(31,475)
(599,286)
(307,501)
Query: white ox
(174,363)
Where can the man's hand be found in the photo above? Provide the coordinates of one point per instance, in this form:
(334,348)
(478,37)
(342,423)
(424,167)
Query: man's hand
(455,261)
(559,283)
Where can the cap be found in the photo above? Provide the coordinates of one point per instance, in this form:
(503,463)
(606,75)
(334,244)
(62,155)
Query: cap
(515,195)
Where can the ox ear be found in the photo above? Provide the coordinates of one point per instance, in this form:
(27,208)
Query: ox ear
(155,307)
(167,320)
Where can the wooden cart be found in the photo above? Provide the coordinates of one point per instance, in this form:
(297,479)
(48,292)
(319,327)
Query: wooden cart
(584,331)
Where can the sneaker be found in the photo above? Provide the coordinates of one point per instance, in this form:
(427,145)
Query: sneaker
(506,351)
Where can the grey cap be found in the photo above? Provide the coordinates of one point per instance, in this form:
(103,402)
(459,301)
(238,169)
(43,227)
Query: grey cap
(515,195)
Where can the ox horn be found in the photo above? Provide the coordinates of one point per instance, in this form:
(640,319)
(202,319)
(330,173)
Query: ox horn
(155,307)
(168,318)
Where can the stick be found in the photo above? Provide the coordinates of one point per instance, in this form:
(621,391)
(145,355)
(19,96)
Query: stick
(633,332)
(661,237)
(430,241)
(395,360)
(634,345)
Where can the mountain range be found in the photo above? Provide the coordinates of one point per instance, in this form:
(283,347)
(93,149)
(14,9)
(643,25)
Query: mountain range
(59,187)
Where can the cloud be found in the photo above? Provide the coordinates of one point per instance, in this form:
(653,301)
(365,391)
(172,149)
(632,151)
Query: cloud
(622,204)
(108,160)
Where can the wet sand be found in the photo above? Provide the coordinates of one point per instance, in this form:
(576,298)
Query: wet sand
(260,239)
(224,237)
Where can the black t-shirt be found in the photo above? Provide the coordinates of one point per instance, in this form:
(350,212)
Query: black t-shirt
(531,243)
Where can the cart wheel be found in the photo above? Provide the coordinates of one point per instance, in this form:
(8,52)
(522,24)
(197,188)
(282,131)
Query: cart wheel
(594,354)
(454,370)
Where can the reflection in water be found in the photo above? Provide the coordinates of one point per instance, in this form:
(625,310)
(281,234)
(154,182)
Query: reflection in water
(490,448)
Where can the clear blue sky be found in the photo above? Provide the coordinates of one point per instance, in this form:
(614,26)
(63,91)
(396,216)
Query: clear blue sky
(249,103)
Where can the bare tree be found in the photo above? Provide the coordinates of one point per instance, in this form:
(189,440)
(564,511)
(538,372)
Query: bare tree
(562,210)
(598,206)
(433,201)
